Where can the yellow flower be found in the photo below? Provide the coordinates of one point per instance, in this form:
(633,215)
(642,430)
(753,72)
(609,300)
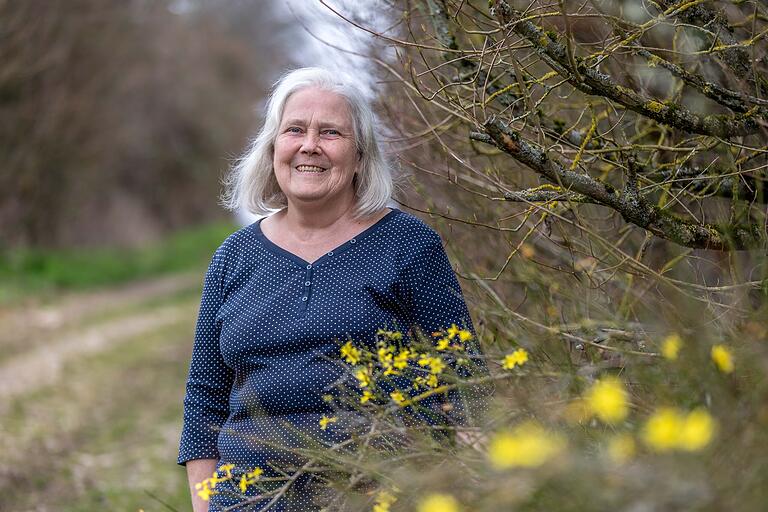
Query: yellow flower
(205,493)
(670,347)
(392,335)
(443,344)
(401,359)
(465,335)
(607,399)
(438,503)
(249,478)
(227,469)
(325,420)
(453,331)
(662,430)
(215,479)
(350,353)
(621,448)
(367,395)
(364,377)
(397,397)
(383,501)
(723,358)
(432,380)
(436,365)
(527,445)
(517,358)
(385,353)
(698,430)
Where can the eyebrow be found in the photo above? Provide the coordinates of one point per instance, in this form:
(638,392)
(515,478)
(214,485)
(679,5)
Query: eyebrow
(301,122)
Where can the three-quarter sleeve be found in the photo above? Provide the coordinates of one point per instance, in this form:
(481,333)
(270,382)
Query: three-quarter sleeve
(435,302)
(206,404)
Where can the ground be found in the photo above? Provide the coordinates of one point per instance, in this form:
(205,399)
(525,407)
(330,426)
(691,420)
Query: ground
(91,386)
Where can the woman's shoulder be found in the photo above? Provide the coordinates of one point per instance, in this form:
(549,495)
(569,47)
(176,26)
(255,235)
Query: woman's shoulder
(408,239)
(238,244)
(413,229)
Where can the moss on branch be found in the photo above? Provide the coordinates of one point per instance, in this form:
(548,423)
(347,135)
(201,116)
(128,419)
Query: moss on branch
(591,81)
(628,203)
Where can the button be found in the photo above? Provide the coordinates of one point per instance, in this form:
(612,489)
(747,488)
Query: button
(307,283)
(304,299)
(330,253)
(309,266)
(352,241)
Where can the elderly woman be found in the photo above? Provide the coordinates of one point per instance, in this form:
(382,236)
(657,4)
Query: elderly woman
(281,295)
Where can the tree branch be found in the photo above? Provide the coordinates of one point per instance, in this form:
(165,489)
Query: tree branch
(630,204)
(596,83)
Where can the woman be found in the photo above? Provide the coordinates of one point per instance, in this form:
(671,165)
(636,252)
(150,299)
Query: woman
(333,264)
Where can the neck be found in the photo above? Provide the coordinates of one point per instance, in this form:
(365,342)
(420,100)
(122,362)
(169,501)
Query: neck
(304,219)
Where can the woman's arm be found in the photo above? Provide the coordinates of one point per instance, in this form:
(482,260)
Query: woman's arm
(197,471)
(435,302)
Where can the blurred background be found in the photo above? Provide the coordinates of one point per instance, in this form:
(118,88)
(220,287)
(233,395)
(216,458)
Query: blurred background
(121,117)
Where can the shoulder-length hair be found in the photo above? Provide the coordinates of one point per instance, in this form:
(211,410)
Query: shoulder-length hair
(251,183)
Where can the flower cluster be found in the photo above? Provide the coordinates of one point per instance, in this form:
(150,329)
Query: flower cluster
(390,358)
(723,358)
(608,399)
(207,487)
(517,358)
(672,429)
(670,347)
(384,501)
(527,445)
(438,502)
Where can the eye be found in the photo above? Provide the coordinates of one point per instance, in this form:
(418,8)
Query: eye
(331,132)
(293,129)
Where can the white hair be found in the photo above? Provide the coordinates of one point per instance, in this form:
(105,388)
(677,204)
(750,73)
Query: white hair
(251,184)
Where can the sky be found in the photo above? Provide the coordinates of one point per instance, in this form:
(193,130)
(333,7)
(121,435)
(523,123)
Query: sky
(331,42)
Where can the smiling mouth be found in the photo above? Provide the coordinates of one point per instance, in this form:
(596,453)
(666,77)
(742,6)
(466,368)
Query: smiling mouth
(309,168)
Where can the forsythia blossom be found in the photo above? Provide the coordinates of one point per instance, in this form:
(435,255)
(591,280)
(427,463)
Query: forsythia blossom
(350,353)
(439,503)
(723,358)
(517,358)
(363,375)
(325,420)
(249,478)
(383,501)
(608,400)
(670,347)
(397,397)
(671,429)
(527,445)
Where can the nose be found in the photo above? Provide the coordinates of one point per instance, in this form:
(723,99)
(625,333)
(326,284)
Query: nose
(310,143)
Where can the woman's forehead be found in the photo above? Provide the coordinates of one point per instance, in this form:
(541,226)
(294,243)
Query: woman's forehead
(317,105)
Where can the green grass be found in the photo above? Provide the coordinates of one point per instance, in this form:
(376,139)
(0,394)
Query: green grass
(25,272)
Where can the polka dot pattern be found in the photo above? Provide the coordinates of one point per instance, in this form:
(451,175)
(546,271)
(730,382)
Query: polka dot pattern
(270,326)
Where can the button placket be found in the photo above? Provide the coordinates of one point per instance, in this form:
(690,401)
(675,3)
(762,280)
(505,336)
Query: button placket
(307,289)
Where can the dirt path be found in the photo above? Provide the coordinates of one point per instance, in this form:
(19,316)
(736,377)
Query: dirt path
(43,338)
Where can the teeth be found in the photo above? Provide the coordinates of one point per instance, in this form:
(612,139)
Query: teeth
(309,168)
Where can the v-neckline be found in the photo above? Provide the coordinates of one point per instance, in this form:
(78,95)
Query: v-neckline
(276,249)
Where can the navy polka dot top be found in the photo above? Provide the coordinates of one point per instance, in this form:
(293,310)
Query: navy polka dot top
(266,352)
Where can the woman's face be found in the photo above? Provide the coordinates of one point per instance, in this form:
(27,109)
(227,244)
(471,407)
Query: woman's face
(315,157)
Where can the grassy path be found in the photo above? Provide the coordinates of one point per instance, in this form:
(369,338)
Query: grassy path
(98,429)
